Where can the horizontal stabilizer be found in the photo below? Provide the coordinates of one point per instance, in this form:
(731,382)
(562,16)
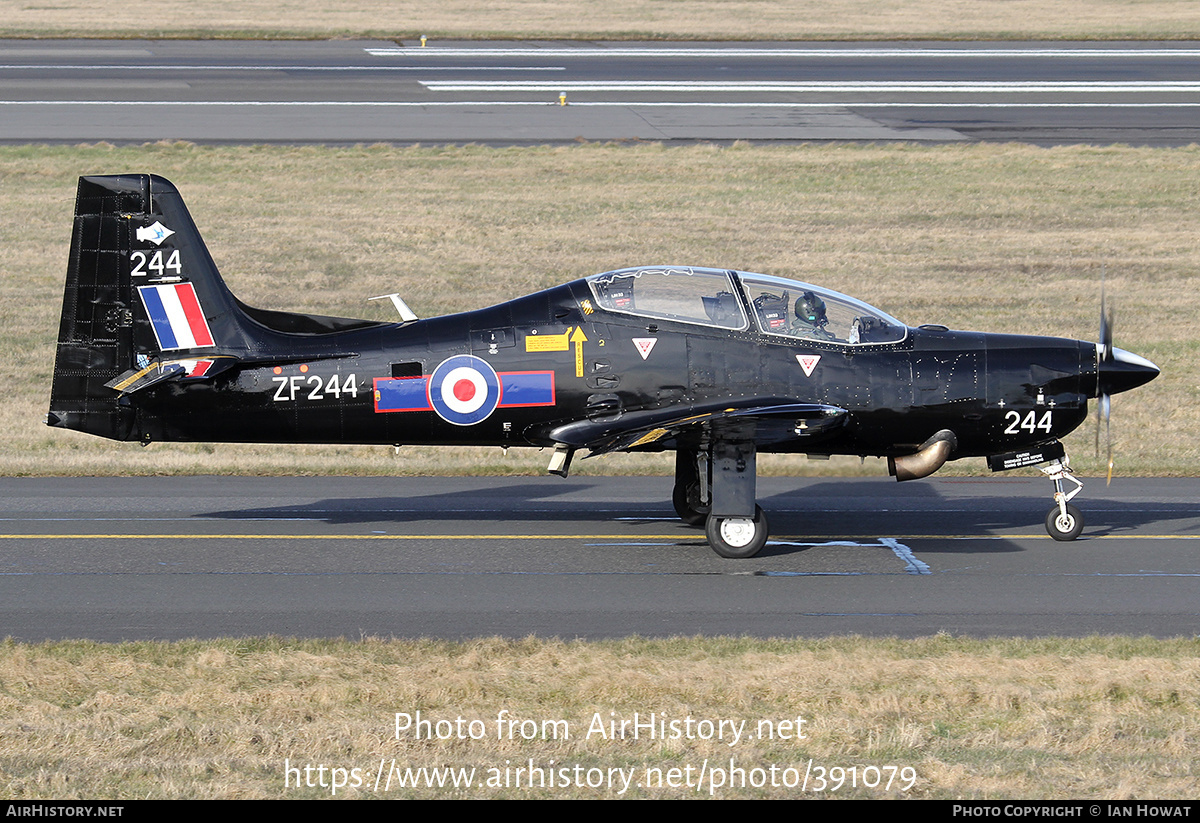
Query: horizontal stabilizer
(158,371)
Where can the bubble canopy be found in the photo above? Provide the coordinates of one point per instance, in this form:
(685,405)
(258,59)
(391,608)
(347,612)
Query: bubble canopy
(735,300)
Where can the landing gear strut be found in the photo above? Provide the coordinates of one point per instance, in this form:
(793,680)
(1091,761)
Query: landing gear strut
(1064,521)
(714,487)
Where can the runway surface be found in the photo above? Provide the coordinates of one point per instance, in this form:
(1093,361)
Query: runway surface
(364,91)
(135,558)
(167,558)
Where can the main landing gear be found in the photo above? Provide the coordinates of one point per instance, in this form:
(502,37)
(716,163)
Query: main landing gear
(1064,521)
(690,497)
(715,488)
(737,537)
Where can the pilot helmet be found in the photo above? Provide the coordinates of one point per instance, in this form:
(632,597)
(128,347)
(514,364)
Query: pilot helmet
(811,309)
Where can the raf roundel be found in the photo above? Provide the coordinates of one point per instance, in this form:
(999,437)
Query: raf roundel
(464,390)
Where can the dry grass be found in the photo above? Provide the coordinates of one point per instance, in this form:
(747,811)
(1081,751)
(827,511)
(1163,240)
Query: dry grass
(978,719)
(990,237)
(652,19)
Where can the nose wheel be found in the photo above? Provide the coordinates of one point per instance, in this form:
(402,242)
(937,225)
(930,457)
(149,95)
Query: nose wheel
(1064,521)
(1064,525)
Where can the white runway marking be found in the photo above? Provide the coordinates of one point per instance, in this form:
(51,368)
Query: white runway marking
(911,563)
(1101,53)
(832,87)
(402,104)
(158,68)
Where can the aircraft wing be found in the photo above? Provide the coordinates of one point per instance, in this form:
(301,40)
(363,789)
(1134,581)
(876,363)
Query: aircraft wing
(769,422)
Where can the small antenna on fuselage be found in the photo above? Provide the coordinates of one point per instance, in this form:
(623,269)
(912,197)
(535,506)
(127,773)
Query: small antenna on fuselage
(406,314)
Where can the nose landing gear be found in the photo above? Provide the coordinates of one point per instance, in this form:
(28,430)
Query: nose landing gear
(1064,521)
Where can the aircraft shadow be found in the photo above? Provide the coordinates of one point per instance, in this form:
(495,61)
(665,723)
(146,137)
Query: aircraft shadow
(798,509)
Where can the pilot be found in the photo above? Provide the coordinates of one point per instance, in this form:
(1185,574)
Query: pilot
(810,317)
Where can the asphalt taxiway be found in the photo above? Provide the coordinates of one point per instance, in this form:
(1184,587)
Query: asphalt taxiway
(344,91)
(167,558)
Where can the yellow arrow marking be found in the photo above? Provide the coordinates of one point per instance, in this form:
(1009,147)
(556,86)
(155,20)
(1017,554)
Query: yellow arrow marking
(578,338)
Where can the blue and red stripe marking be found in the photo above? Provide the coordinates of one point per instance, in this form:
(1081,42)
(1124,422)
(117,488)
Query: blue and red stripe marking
(517,389)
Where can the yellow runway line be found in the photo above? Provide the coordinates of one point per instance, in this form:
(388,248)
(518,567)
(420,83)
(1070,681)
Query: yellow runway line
(698,537)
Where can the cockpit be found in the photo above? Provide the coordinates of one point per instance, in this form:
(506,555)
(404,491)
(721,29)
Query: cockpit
(720,298)
(684,294)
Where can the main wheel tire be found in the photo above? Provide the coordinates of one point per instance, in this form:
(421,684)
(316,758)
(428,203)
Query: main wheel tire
(737,537)
(686,499)
(1064,527)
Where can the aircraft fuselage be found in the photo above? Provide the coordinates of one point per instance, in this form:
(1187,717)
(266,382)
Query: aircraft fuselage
(996,392)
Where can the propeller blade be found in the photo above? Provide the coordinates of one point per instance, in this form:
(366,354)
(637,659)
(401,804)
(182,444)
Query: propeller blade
(1106,409)
(1104,356)
(1106,331)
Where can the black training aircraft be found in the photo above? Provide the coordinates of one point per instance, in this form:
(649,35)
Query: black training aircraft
(715,365)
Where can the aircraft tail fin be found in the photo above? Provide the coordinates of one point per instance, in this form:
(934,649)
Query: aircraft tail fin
(144,304)
(142,295)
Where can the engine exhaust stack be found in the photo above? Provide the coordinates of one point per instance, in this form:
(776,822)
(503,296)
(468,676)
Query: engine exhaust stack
(932,455)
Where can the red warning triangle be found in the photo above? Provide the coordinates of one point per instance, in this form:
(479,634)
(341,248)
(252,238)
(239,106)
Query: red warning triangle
(808,362)
(644,345)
